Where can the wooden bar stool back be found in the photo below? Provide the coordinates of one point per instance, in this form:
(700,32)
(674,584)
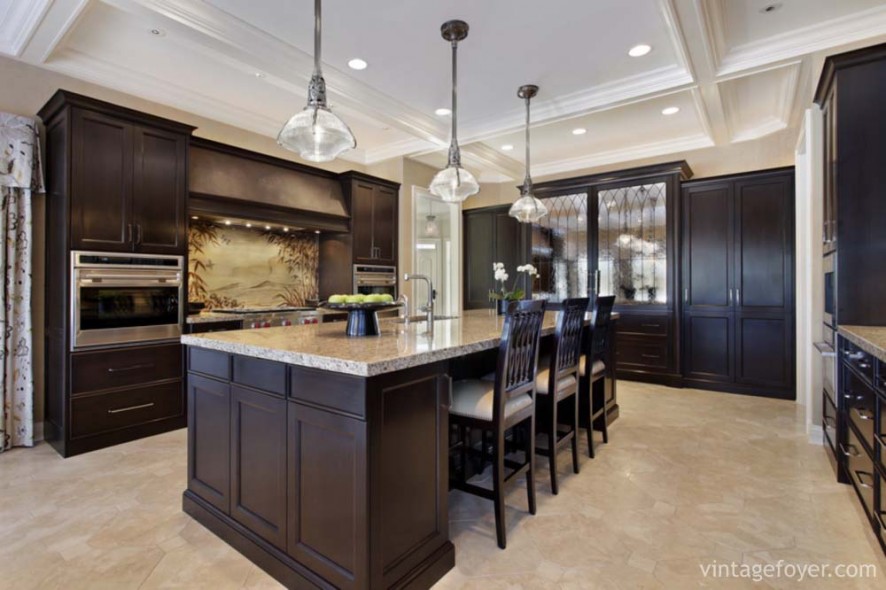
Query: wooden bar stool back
(556,401)
(593,372)
(507,402)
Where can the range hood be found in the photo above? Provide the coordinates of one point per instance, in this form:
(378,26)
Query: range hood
(228,182)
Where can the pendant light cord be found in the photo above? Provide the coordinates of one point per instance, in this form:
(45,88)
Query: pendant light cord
(527,182)
(454,152)
(317,33)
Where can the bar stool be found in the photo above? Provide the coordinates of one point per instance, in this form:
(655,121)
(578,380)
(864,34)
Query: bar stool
(557,386)
(592,371)
(505,403)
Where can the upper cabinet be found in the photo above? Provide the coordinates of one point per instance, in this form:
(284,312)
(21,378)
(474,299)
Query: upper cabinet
(373,218)
(490,235)
(127,182)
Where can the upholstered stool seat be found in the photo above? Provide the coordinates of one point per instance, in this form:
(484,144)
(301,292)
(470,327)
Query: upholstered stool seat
(473,398)
(542,380)
(597,367)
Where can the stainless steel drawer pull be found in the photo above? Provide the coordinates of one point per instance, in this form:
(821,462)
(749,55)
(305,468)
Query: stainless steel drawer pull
(864,365)
(854,452)
(864,414)
(130,368)
(130,408)
(859,474)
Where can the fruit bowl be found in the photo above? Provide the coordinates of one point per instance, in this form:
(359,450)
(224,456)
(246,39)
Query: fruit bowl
(362,317)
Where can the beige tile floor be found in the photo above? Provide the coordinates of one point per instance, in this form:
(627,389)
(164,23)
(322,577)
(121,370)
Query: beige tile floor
(689,477)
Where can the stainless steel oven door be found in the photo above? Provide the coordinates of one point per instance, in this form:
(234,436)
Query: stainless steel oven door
(370,280)
(122,306)
(828,361)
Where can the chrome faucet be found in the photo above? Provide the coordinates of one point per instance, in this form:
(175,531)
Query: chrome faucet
(429,308)
(405,301)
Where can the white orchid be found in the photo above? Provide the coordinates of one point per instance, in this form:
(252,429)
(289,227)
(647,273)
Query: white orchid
(528,269)
(501,275)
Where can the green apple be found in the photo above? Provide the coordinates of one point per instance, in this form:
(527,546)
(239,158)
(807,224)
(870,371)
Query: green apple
(387,298)
(337,298)
(375,298)
(354,299)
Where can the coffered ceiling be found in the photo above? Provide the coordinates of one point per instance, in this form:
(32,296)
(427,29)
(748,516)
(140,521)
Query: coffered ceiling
(737,70)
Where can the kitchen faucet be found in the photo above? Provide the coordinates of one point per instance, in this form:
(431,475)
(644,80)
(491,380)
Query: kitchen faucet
(429,308)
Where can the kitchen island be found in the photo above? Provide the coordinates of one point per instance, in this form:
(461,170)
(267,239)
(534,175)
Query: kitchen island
(324,458)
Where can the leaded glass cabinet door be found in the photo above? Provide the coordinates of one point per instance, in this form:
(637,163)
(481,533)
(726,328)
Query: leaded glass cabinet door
(560,249)
(633,243)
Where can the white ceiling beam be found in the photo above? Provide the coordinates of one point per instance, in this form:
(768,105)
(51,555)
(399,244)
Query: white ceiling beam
(18,23)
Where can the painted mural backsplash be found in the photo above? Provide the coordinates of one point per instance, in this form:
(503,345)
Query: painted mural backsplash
(233,266)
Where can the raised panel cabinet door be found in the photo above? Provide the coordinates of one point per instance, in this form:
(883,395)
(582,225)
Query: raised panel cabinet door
(258,463)
(509,245)
(159,191)
(709,339)
(707,246)
(362,200)
(209,440)
(385,225)
(478,254)
(101,182)
(327,496)
(764,351)
(764,244)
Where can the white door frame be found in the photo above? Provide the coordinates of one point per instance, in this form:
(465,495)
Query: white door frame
(455,229)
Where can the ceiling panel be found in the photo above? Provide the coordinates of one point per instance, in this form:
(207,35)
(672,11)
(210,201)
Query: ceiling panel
(761,103)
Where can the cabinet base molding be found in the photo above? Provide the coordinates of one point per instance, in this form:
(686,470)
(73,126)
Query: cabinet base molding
(289,572)
(753,390)
(78,446)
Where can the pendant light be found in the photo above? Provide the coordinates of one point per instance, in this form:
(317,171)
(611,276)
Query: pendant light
(527,209)
(454,184)
(432,230)
(316,133)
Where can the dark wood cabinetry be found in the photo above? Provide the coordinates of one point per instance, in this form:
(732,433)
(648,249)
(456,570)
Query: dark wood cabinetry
(323,479)
(128,176)
(373,240)
(490,235)
(373,219)
(116,182)
(737,295)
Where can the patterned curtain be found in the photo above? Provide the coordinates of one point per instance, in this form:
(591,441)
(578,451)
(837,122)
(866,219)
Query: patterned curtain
(20,177)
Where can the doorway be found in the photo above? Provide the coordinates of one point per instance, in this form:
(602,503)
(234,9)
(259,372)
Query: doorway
(436,251)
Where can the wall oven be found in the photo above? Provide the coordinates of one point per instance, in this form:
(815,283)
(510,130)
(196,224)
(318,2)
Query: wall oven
(374,279)
(830,295)
(125,298)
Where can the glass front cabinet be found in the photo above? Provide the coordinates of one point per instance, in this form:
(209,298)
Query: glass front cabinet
(616,234)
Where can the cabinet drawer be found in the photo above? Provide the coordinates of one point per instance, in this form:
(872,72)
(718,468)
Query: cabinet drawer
(210,362)
(124,367)
(858,360)
(268,376)
(632,353)
(103,412)
(881,440)
(860,468)
(643,324)
(860,406)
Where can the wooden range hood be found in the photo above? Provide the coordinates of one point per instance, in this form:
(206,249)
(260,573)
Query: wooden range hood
(229,182)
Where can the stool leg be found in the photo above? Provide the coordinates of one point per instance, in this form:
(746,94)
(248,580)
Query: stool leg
(498,484)
(552,444)
(575,466)
(529,447)
(605,424)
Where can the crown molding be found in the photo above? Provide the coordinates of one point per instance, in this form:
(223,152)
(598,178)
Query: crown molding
(711,22)
(782,111)
(625,155)
(18,23)
(677,36)
(793,44)
(404,147)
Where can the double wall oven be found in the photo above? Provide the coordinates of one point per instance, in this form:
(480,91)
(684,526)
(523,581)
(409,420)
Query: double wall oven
(125,298)
(375,279)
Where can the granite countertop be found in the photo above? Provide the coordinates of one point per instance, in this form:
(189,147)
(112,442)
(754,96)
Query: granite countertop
(206,317)
(399,346)
(871,339)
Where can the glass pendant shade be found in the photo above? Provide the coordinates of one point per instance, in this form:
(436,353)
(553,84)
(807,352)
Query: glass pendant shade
(316,134)
(528,209)
(454,184)
(432,230)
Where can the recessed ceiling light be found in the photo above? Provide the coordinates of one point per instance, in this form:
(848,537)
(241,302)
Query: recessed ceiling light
(639,50)
(194,217)
(670,111)
(267,227)
(248,225)
(442,112)
(770,8)
(357,64)
(579,131)
(316,231)
(507,147)
(158,32)
(227,222)
(286,229)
